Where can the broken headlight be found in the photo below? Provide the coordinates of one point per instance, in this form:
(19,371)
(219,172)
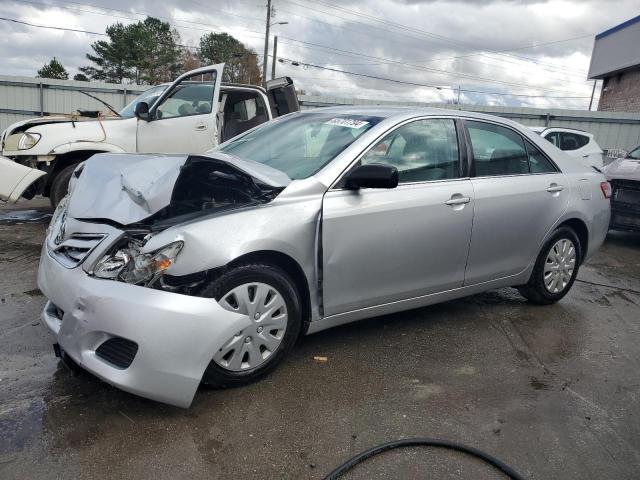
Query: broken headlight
(130,265)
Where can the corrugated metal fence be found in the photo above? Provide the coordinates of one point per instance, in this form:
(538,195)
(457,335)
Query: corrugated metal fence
(24,97)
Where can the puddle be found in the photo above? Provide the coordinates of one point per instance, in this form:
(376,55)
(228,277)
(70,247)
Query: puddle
(18,217)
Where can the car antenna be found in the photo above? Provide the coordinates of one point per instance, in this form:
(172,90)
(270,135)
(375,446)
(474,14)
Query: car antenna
(101,101)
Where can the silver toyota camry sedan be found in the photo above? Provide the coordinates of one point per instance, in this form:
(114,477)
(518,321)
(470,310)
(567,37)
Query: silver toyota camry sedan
(164,272)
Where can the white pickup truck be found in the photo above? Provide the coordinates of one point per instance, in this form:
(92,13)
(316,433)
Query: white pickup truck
(39,155)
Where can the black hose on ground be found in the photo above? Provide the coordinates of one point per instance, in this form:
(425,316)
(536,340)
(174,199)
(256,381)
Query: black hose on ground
(424,442)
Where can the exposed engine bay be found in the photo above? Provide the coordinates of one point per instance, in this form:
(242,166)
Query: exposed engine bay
(203,186)
(206,185)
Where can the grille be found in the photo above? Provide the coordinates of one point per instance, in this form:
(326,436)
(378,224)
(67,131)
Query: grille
(72,251)
(118,351)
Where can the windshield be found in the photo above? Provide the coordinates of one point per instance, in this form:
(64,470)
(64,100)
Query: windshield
(148,96)
(301,144)
(635,153)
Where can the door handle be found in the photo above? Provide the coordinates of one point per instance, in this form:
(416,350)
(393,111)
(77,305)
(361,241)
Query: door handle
(457,199)
(555,188)
(201,126)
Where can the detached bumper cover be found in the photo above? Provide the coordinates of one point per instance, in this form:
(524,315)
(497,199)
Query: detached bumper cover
(177,335)
(15,179)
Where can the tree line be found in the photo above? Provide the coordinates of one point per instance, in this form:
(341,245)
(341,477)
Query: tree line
(150,52)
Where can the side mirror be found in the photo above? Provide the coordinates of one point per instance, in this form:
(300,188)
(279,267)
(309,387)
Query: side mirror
(142,111)
(373,175)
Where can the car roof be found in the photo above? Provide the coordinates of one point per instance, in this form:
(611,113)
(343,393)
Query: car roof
(562,129)
(400,113)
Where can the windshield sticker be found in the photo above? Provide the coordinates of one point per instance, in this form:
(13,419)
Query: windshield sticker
(347,122)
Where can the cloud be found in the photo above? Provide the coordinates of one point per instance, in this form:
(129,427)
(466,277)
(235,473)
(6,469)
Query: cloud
(477,45)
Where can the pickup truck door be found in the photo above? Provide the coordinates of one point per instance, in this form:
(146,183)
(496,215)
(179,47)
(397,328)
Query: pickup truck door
(282,96)
(183,119)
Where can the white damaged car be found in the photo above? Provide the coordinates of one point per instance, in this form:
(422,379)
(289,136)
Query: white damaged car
(192,115)
(165,271)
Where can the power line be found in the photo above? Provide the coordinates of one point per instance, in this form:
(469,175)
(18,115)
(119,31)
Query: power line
(436,59)
(404,82)
(303,63)
(308,44)
(420,67)
(418,31)
(13,20)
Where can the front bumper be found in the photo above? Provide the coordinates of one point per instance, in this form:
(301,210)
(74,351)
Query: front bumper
(177,335)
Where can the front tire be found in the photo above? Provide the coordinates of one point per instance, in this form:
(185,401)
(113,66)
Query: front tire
(268,296)
(60,185)
(555,269)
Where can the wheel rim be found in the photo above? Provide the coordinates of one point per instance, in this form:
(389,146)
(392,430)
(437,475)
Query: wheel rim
(251,347)
(559,266)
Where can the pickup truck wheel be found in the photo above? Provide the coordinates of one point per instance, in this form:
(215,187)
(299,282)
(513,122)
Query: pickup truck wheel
(270,299)
(60,185)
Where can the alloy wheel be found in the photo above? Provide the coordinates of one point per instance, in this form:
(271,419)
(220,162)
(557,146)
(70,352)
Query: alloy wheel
(252,346)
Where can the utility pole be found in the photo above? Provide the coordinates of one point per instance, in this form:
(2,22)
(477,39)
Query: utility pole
(265,61)
(273,60)
(458,100)
(592,94)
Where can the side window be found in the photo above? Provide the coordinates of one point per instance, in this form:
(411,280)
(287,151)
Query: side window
(497,150)
(190,97)
(572,141)
(538,163)
(553,137)
(423,150)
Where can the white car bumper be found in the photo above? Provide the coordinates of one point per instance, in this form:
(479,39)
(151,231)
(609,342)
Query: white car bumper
(15,179)
(176,334)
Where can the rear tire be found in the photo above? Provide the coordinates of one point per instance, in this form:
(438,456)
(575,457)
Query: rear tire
(60,185)
(555,269)
(232,365)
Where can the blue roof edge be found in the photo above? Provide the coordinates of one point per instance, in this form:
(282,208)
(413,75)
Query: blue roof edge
(631,21)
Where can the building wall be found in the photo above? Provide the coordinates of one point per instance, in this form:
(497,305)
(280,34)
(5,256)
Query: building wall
(621,93)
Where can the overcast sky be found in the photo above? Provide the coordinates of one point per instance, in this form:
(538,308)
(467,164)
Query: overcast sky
(486,46)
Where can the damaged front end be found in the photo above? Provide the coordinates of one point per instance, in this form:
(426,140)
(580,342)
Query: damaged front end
(142,196)
(122,292)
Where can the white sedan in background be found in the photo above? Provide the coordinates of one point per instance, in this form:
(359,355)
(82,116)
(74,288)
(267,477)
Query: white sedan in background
(575,143)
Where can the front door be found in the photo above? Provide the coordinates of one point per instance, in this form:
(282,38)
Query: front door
(183,120)
(519,195)
(380,246)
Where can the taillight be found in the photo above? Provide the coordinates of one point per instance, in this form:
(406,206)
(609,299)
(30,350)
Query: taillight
(606,189)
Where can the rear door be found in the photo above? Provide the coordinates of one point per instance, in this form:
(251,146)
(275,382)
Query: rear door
(282,96)
(184,118)
(519,195)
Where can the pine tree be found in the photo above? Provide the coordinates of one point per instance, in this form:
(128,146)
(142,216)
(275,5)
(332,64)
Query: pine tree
(53,69)
(241,64)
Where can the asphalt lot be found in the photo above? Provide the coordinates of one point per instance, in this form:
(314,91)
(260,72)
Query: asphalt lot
(553,391)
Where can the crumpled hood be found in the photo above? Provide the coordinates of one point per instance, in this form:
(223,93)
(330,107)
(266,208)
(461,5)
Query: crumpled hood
(128,188)
(623,169)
